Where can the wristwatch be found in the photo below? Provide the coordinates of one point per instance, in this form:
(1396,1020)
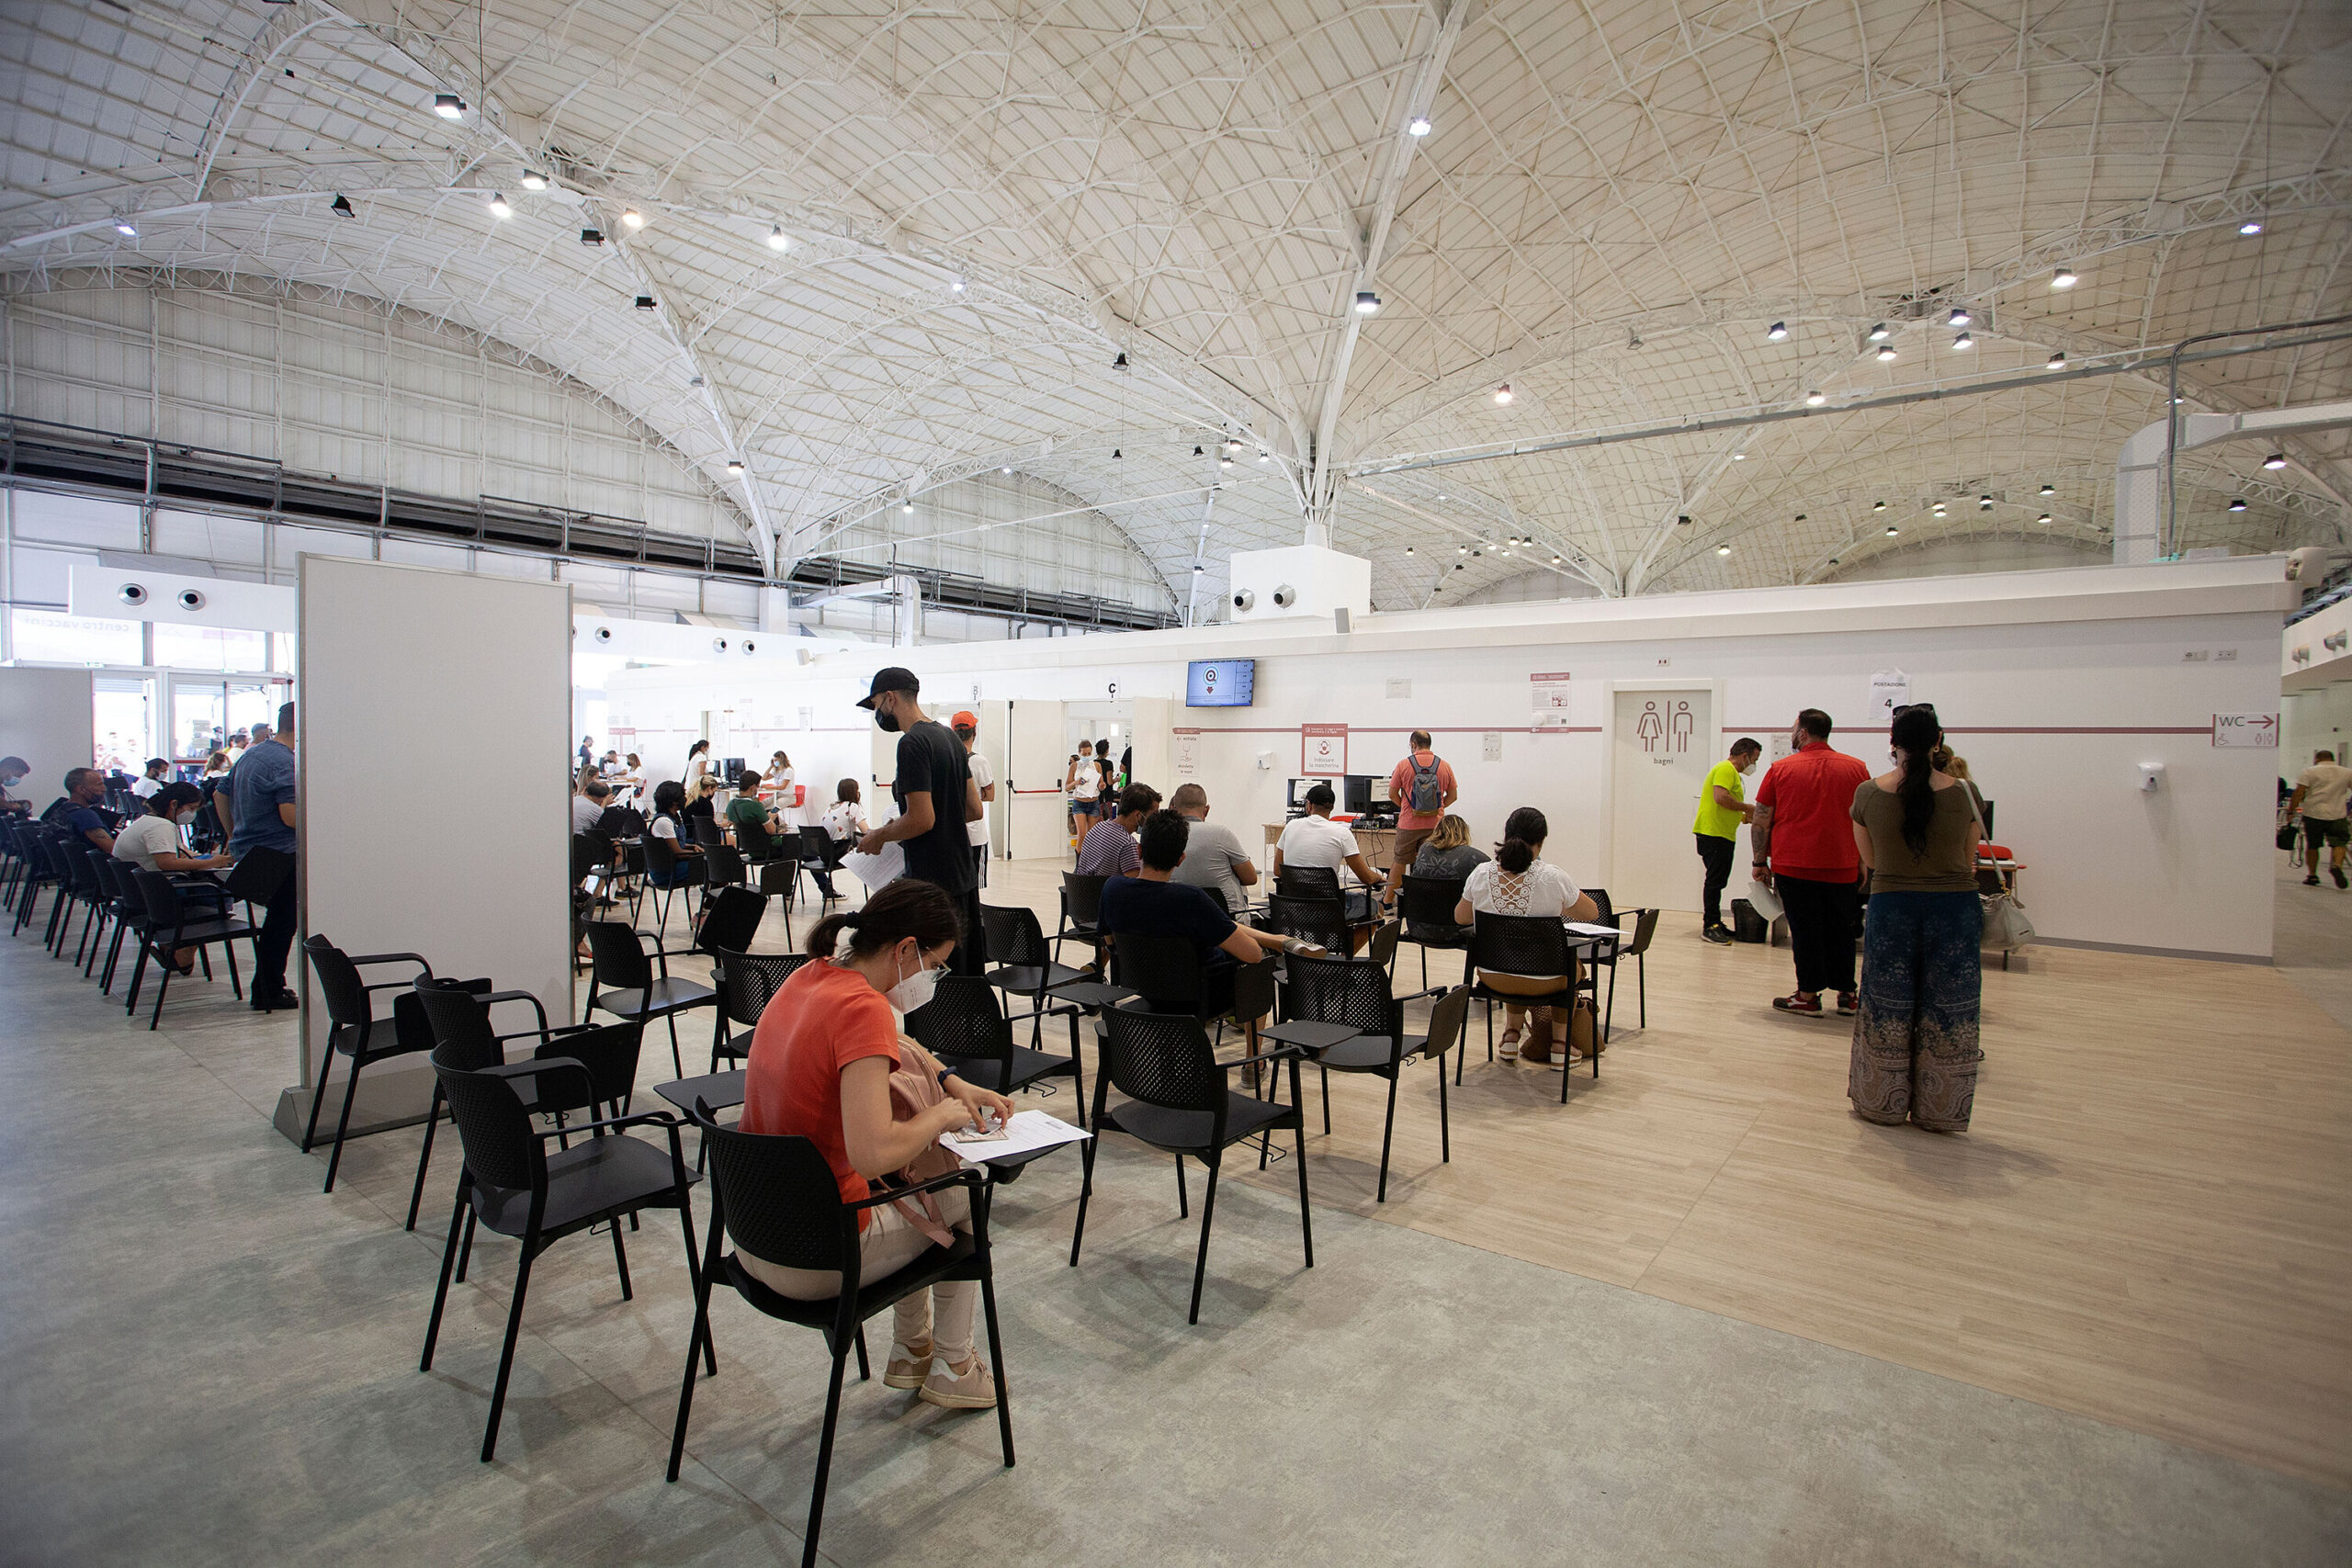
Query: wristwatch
(945,1073)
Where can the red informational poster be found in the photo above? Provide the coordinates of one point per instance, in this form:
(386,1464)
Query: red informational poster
(1322,751)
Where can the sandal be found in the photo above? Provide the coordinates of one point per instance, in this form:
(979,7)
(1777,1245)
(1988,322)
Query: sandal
(1507,1046)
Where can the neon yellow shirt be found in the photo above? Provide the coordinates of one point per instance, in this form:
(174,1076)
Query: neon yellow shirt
(1719,821)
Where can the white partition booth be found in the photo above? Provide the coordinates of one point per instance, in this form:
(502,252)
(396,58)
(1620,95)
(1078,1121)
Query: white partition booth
(2060,687)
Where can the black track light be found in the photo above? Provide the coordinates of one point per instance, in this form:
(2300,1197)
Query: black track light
(645,302)
(341,206)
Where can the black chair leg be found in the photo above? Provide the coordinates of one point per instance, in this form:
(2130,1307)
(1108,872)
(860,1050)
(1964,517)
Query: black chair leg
(441,1293)
(1305,1224)
(425,1155)
(236,985)
(1184,1204)
(996,1359)
(686,1389)
(1641,984)
(1326,1098)
(1388,1130)
(343,1122)
(1085,1191)
(1200,1260)
(466,1249)
(864,1367)
(824,1461)
(694,1278)
(507,1356)
(1444,1117)
(676,1060)
(163,984)
(1077,1074)
(317,1097)
(620,1260)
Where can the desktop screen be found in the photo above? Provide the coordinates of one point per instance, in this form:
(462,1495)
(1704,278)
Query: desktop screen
(1220,682)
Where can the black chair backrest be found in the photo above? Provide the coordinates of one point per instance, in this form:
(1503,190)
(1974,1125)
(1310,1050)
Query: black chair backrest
(1599,896)
(339,982)
(748,981)
(707,831)
(1307,881)
(493,1125)
(962,1020)
(723,865)
(1427,901)
(109,872)
(462,1035)
(1083,897)
(615,955)
(1164,1059)
(1341,991)
(163,899)
(1519,944)
(732,919)
(778,1199)
(785,845)
(1318,921)
(590,853)
(81,873)
(1164,969)
(1014,935)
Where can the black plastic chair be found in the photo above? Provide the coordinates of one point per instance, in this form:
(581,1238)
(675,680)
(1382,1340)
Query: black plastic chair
(623,983)
(1644,928)
(731,919)
(1025,968)
(776,1198)
(820,856)
(77,859)
(129,911)
(1081,910)
(1179,1103)
(1354,992)
(1426,904)
(1318,919)
(1323,882)
(1534,945)
(354,1030)
(169,929)
(666,873)
(963,1026)
(512,1184)
(707,830)
(747,983)
(39,872)
(723,866)
(1167,972)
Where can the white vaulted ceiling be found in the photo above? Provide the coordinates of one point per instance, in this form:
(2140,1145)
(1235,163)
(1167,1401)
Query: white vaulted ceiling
(986,203)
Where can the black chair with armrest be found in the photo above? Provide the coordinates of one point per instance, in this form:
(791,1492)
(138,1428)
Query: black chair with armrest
(1180,1103)
(1644,928)
(1534,945)
(171,927)
(1024,967)
(622,981)
(965,1028)
(1426,904)
(820,856)
(731,919)
(512,1184)
(776,1199)
(666,873)
(1317,920)
(1354,992)
(747,983)
(1168,973)
(1323,882)
(1082,912)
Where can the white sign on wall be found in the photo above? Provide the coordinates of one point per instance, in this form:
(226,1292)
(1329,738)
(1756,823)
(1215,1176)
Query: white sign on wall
(1188,752)
(1323,749)
(1493,751)
(1890,689)
(1548,694)
(2256,730)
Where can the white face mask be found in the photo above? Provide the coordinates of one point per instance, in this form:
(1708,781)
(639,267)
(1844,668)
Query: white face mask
(1747,767)
(913,991)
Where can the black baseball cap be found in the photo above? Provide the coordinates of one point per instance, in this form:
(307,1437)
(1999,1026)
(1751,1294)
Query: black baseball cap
(894,679)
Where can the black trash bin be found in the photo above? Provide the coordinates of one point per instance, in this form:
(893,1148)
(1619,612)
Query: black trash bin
(1746,925)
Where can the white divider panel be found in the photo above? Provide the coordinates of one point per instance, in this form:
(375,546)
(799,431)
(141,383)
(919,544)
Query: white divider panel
(1034,762)
(45,719)
(467,861)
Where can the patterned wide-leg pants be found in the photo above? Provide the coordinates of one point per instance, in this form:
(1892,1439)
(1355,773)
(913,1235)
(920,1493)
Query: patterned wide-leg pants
(1915,1039)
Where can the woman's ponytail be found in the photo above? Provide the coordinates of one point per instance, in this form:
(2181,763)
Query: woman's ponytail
(1917,735)
(904,908)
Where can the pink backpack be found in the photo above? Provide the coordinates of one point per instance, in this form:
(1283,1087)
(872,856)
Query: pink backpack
(914,1089)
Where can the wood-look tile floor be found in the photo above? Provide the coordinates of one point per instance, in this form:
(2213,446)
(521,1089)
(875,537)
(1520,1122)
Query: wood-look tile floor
(2148,1222)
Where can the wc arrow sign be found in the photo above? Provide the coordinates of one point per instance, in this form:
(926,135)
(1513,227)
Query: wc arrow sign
(2256,730)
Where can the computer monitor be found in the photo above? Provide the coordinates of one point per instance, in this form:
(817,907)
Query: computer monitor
(1298,788)
(1356,797)
(731,770)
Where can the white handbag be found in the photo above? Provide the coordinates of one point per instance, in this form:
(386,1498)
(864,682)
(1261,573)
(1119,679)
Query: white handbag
(2007,926)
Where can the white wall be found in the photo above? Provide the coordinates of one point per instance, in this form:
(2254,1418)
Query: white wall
(477,669)
(45,719)
(2057,685)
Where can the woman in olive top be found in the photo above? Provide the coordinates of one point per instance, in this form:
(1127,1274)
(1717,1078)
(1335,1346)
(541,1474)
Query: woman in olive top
(1915,1038)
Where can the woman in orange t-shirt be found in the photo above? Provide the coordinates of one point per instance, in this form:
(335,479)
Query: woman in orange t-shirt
(820,1069)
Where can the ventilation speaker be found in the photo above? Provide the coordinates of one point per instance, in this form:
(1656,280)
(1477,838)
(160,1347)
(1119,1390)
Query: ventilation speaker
(604,634)
(1243,599)
(191,599)
(132,593)
(1285,596)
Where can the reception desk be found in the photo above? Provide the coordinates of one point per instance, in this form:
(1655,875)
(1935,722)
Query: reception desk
(1376,844)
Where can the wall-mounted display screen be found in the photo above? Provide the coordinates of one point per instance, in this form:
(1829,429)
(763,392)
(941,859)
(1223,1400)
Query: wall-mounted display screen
(1220,682)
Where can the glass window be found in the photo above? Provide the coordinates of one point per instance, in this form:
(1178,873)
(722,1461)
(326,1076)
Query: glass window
(49,637)
(210,647)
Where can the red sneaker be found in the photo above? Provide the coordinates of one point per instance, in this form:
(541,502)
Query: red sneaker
(1799,1003)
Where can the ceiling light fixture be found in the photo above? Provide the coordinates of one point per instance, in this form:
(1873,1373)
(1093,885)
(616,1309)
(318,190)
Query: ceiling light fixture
(341,206)
(1962,343)
(1778,332)
(645,302)
(1265,456)
(1739,457)
(1119,360)
(1198,567)
(1938,509)
(735,468)
(1408,550)
(1814,399)
(909,506)
(1198,452)
(1502,393)
(1461,549)
(2064,278)
(1881,332)
(1878,506)
(1224,462)
(1683,521)
(1958,317)
(2251,225)
(1983,503)
(631,218)
(2237,506)
(1885,353)
(534,180)
(498,208)
(1555,561)
(1006,469)
(126,228)
(1892,530)
(2057,362)
(2045,520)
(1418,126)
(449,106)
(1367,302)
(778,239)
(1723,549)
(1118,453)
(2276,460)
(592,236)
(2049,490)
(956,286)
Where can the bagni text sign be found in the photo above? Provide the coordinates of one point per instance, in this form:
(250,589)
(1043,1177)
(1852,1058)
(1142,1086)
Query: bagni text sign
(2257,729)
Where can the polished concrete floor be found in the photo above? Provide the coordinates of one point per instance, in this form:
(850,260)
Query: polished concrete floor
(204,1359)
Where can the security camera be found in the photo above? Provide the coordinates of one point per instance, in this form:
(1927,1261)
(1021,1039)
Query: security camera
(604,634)
(132,593)
(748,647)
(1243,599)
(718,645)
(1285,596)
(191,599)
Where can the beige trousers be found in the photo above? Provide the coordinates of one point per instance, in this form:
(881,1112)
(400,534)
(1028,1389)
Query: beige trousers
(888,1244)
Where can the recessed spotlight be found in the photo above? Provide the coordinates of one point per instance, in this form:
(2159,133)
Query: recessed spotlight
(341,206)
(1962,343)
(1502,393)
(2044,519)
(1885,351)
(449,106)
(2237,506)
(1418,126)
(126,228)
(1408,550)
(1119,360)
(645,302)
(1265,456)
(1461,549)
(1198,567)
(1778,332)
(1739,457)
(1881,332)
(1224,462)
(778,239)
(1936,509)
(1878,506)
(1006,469)
(498,208)
(735,468)
(2057,362)
(1723,549)
(1367,302)
(631,218)
(2064,278)
(2276,460)
(1814,399)
(1892,530)
(1983,503)
(2251,225)
(534,180)
(2049,490)
(1958,317)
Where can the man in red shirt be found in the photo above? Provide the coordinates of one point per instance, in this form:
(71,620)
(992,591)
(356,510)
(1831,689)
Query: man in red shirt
(1803,836)
(1426,775)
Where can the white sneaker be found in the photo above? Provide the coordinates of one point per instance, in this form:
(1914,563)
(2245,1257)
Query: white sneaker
(971,1389)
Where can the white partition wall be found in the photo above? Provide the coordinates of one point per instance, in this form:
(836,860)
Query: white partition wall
(1036,760)
(468,860)
(45,719)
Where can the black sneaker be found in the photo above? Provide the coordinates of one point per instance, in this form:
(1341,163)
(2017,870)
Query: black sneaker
(281,1001)
(2338,872)
(1715,934)
(2312,881)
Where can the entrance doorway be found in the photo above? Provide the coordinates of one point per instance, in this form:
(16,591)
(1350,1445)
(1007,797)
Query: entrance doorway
(1663,743)
(206,712)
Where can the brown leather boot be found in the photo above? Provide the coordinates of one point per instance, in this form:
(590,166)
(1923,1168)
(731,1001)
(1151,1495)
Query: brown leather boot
(1538,1045)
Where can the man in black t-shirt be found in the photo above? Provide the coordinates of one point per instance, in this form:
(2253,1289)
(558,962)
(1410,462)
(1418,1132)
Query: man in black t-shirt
(1148,904)
(936,798)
